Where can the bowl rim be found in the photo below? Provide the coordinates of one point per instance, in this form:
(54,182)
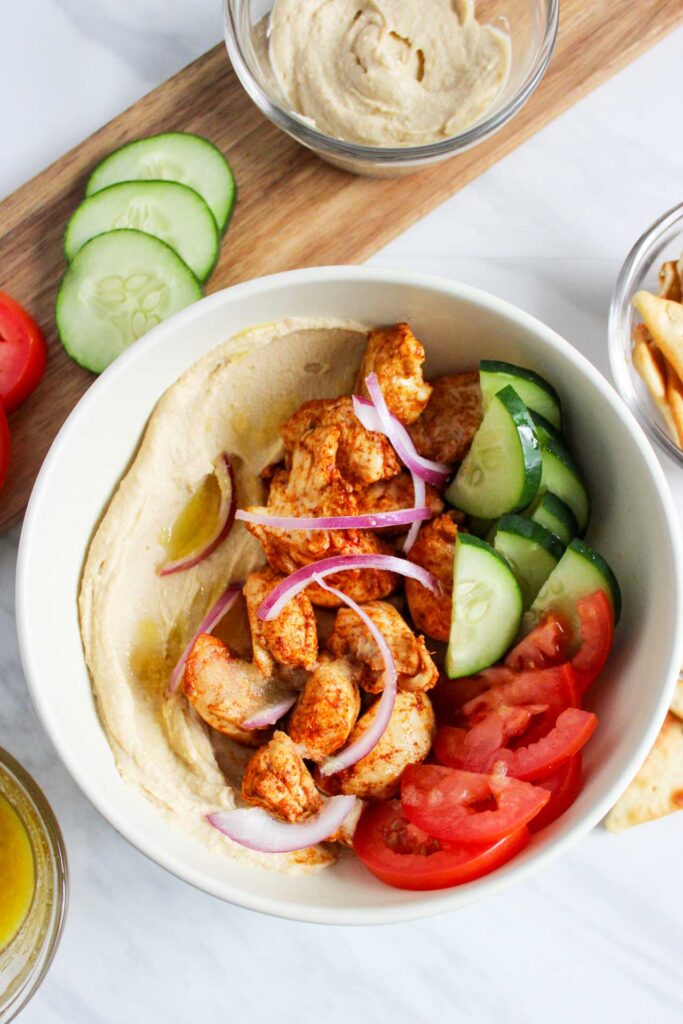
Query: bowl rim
(432,903)
(620,306)
(304,131)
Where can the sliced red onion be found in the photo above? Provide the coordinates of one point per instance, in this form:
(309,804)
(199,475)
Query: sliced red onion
(257,830)
(299,580)
(270,714)
(369,521)
(372,735)
(420,494)
(226,516)
(207,625)
(384,422)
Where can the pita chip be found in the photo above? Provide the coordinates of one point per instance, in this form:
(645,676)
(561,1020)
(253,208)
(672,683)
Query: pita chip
(658,787)
(664,320)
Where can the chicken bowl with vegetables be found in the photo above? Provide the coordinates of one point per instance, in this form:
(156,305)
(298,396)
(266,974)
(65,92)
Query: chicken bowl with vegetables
(361,588)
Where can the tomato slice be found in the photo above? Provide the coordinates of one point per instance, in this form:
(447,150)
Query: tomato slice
(571,731)
(596,617)
(546,645)
(23,353)
(475,748)
(404,856)
(555,687)
(467,807)
(449,695)
(4,446)
(564,785)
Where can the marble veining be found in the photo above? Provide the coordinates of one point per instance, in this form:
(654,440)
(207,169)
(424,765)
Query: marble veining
(597,936)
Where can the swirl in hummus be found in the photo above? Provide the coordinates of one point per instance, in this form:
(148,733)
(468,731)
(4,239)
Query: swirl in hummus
(387,72)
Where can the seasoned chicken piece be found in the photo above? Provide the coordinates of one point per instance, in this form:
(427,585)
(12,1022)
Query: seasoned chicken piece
(362,456)
(226,691)
(314,487)
(290,639)
(445,429)
(277,779)
(387,495)
(351,638)
(407,740)
(327,708)
(396,356)
(434,549)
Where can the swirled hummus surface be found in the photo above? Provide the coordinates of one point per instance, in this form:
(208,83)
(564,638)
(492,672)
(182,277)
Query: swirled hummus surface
(387,72)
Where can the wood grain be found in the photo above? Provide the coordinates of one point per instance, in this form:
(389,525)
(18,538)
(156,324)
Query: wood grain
(292,211)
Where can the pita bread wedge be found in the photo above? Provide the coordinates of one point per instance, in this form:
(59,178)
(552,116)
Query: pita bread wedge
(664,320)
(677,702)
(658,787)
(669,281)
(674,397)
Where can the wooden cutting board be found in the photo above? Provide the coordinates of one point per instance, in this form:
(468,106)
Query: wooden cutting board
(292,211)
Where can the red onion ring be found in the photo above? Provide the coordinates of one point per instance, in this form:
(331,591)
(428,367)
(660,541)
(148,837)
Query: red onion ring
(226,516)
(371,737)
(257,830)
(299,580)
(420,495)
(207,625)
(384,422)
(369,521)
(270,714)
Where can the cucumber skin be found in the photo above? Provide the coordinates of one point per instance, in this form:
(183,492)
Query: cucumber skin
(91,189)
(601,565)
(496,366)
(70,270)
(542,424)
(532,531)
(563,455)
(69,256)
(563,514)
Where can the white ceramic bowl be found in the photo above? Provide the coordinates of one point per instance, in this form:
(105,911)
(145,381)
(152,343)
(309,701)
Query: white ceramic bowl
(633,524)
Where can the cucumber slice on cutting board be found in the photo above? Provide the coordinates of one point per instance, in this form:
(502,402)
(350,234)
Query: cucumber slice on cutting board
(174,156)
(119,286)
(579,573)
(174,213)
(562,476)
(487,607)
(531,551)
(551,512)
(536,393)
(502,470)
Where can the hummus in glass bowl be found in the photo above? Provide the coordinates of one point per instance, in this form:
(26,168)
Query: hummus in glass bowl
(387,72)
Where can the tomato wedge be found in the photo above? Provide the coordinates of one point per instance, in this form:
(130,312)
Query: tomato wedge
(23,353)
(564,786)
(467,807)
(555,687)
(571,731)
(404,856)
(475,748)
(5,445)
(546,645)
(596,617)
(449,695)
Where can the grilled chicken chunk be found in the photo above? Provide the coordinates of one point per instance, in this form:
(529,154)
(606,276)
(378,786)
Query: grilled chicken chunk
(290,639)
(327,708)
(277,779)
(351,638)
(434,549)
(452,417)
(396,356)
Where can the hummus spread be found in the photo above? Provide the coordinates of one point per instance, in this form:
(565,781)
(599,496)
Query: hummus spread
(135,623)
(387,72)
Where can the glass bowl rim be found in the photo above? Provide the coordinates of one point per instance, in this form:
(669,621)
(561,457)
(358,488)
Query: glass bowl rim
(301,129)
(58,856)
(620,307)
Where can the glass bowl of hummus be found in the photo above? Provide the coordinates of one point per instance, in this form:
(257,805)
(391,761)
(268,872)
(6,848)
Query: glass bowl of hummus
(33,887)
(386,87)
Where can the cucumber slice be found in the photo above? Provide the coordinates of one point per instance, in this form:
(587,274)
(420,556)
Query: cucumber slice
(535,392)
(487,607)
(563,477)
(531,550)
(174,156)
(545,431)
(502,470)
(579,573)
(551,512)
(480,527)
(119,286)
(174,213)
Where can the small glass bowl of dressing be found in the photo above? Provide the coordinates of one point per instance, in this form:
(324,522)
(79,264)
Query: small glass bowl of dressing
(33,887)
(530,24)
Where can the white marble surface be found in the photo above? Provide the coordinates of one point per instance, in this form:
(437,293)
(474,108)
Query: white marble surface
(597,936)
